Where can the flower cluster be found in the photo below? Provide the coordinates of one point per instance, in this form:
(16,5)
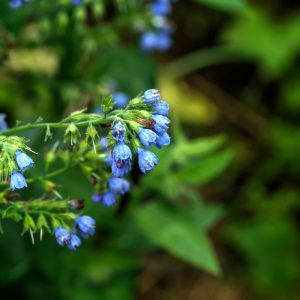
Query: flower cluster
(140,134)
(14,161)
(14,4)
(125,133)
(85,227)
(159,38)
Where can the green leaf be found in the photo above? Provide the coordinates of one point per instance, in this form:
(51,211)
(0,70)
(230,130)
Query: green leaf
(231,6)
(205,170)
(198,147)
(178,235)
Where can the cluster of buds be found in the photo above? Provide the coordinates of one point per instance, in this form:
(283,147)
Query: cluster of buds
(134,133)
(105,153)
(14,161)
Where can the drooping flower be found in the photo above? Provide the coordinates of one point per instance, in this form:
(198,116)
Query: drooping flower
(23,160)
(86,226)
(163,140)
(152,95)
(161,122)
(3,124)
(161,108)
(121,152)
(147,137)
(62,236)
(109,199)
(119,132)
(147,160)
(74,242)
(120,168)
(17,180)
(118,185)
(97,198)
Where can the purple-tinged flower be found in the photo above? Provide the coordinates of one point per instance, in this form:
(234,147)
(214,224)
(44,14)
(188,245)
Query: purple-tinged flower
(160,125)
(152,95)
(147,137)
(86,226)
(17,180)
(119,132)
(121,152)
(3,124)
(62,236)
(120,99)
(118,185)
(147,160)
(109,199)
(74,242)
(23,160)
(120,168)
(96,198)
(163,140)
(161,108)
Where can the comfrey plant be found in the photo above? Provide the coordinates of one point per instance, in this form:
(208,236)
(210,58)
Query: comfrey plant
(104,153)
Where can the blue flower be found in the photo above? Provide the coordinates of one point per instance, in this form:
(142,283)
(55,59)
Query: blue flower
(120,168)
(152,95)
(74,242)
(14,4)
(163,41)
(147,160)
(161,8)
(121,152)
(3,124)
(161,108)
(62,236)
(86,226)
(17,180)
(163,140)
(23,160)
(147,137)
(120,99)
(118,185)
(160,41)
(161,122)
(109,199)
(97,198)
(103,142)
(77,2)
(108,160)
(119,132)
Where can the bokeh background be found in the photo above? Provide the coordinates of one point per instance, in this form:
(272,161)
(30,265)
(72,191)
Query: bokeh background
(218,219)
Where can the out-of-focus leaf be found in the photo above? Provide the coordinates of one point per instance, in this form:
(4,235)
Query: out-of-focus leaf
(231,6)
(203,171)
(178,235)
(274,45)
(198,147)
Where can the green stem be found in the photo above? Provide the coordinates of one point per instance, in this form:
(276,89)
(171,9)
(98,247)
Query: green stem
(57,125)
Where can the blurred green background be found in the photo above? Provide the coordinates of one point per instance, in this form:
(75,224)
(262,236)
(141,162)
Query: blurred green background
(218,219)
